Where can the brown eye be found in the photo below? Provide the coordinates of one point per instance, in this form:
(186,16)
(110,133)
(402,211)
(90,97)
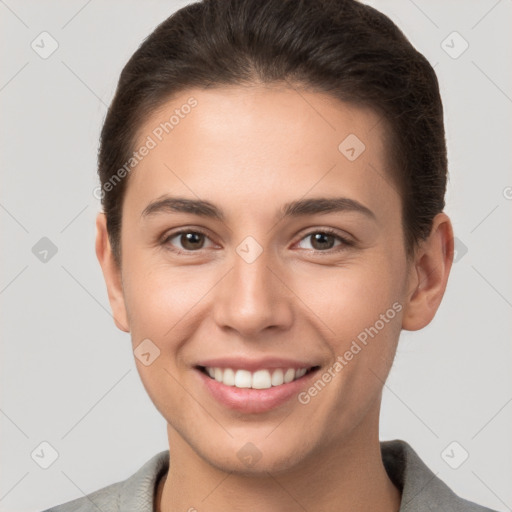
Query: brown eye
(325,240)
(321,241)
(186,241)
(191,241)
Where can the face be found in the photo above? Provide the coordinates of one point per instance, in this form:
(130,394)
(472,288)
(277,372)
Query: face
(262,242)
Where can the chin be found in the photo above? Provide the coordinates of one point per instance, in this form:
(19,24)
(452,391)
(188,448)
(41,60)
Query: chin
(256,458)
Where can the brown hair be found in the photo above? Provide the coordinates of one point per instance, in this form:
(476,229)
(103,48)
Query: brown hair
(342,47)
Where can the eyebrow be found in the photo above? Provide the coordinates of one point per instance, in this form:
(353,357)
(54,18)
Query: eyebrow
(321,205)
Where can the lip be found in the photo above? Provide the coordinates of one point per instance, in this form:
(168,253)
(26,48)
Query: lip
(252,401)
(267,363)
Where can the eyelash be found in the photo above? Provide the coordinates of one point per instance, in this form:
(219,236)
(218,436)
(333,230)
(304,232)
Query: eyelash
(326,231)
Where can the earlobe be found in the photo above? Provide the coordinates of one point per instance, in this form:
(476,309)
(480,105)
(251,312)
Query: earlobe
(429,275)
(111,274)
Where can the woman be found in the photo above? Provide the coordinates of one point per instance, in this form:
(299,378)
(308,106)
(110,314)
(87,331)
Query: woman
(299,146)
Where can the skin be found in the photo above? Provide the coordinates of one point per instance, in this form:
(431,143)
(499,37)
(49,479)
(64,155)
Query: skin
(249,150)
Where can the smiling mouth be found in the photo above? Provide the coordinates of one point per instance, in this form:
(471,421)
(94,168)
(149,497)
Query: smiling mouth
(260,379)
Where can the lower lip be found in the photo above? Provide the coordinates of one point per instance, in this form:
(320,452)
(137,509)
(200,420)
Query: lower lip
(250,400)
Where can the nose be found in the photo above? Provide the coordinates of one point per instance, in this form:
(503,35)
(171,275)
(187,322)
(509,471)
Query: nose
(253,298)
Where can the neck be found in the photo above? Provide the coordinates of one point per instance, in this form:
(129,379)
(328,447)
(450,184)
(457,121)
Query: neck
(342,477)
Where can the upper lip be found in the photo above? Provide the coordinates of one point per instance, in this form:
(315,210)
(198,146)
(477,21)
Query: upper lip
(252,365)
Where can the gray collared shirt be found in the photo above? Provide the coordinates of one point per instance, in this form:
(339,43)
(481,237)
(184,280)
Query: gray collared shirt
(421,489)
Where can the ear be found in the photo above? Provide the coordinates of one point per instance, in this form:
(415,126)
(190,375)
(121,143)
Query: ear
(111,274)
(429,274)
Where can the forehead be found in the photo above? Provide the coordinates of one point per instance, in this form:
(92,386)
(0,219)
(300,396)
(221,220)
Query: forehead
(258,139)
(262,111)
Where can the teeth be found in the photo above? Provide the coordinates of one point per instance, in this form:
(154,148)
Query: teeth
(228,377)
(261,379)
(300,373)
(242,378)
(289,375)
(277,378)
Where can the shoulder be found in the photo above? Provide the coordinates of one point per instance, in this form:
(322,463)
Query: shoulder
(421,488)
(136,493)
(105,499)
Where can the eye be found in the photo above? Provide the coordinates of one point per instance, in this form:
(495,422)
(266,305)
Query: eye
(324,240)
(191,241)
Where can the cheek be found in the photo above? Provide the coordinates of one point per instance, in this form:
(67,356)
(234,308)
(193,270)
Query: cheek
(350,298)
(359,311)
(152,293)
(161,300)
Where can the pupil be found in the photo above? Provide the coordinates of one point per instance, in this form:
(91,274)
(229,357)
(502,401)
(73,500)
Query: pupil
(321,238)
(190,239)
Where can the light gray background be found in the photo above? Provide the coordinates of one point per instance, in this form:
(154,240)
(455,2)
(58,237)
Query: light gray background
(68,375)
